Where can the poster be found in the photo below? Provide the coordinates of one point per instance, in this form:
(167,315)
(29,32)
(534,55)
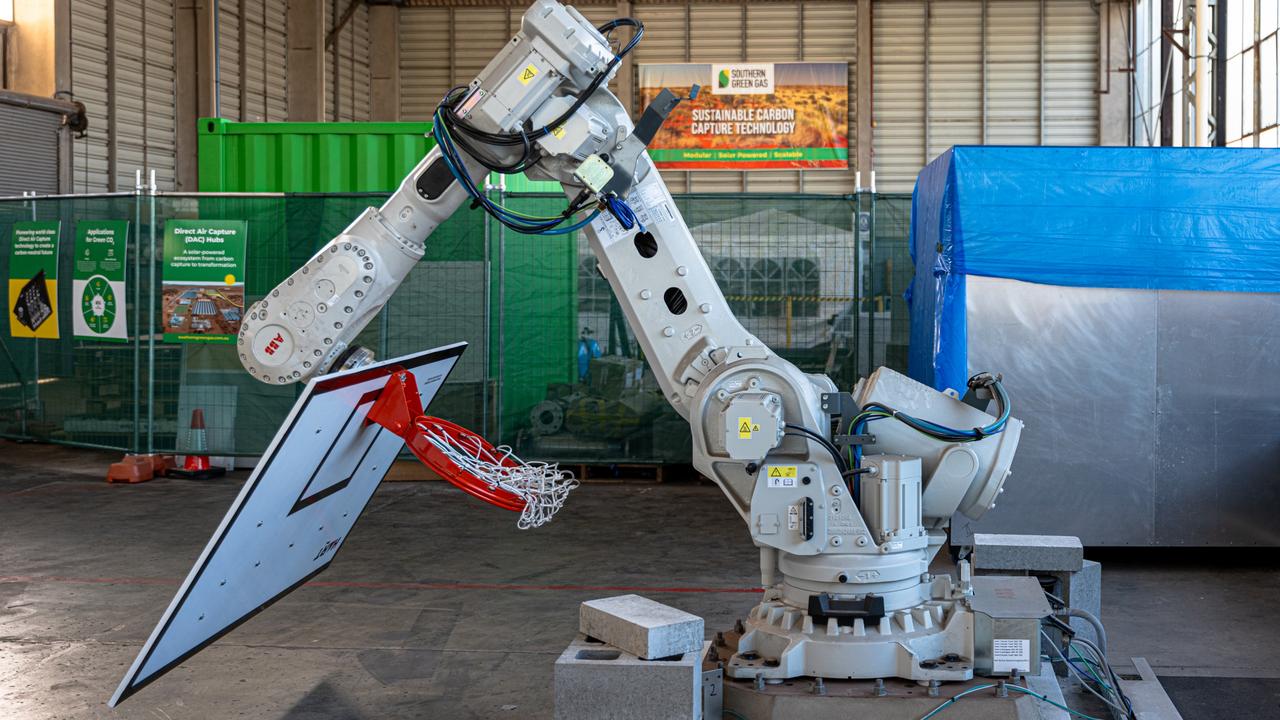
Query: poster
(97,280)
(33,279)
(752,116)
(203,294)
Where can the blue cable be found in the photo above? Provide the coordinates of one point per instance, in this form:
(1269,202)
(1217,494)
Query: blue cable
(521,224)
(623,212)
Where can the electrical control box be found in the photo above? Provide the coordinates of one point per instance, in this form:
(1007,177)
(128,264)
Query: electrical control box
(752,423)
(891,497)
(1006,625)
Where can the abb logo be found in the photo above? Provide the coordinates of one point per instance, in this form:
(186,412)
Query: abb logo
(274,345)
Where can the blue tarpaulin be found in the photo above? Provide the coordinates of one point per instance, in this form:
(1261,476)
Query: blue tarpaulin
(1115,217)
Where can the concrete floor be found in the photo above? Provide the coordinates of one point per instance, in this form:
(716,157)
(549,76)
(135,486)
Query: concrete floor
(438,607)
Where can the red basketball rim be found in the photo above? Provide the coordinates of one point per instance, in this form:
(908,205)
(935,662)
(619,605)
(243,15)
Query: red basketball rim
(477,487)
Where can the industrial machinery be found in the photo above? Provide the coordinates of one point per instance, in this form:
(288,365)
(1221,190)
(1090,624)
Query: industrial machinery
(845,538)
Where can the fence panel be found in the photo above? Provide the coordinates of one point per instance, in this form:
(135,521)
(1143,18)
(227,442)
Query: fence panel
(77,392)
(552,367)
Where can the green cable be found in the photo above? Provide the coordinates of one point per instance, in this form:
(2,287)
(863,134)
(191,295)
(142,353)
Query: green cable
(948,703)
(444,127)
(1032,693)
(1088,665)
(1072,668)
(1011,686)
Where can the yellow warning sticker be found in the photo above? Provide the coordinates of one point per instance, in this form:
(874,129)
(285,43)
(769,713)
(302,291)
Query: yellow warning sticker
(558,132)
(529,73)
(746,428)
(782,476)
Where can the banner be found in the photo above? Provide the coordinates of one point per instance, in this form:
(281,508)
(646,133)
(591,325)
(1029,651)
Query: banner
(752,116)
(203,295)
(97,280)
(33,279)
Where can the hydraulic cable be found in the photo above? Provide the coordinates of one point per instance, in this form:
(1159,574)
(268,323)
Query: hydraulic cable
(878,411)
(453,133)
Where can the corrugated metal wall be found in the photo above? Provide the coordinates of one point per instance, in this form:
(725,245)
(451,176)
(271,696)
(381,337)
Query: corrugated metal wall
(425,66)
(90,58)
(1013,72)
(347,78)
(29,152)
(898,62)
(430,66)
(945,71)
(253,75)
(123,69)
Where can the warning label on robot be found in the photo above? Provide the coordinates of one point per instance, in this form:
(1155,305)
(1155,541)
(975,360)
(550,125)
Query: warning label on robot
(746,428)
(782,476)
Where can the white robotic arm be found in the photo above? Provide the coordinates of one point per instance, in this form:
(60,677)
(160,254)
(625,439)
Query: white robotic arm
(837,555)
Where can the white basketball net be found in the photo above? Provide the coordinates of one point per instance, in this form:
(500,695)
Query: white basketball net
(543,486)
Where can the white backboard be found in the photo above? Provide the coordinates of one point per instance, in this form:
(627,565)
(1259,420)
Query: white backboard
(293,514)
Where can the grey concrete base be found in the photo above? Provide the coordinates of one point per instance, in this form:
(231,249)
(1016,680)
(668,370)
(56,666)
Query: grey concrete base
(1083,590)
(902,700)
(1034,553)
(595,681)
(640,626)
(1057,556)
(1150,702)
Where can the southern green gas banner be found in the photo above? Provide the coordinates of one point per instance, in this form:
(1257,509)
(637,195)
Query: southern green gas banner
(203,295)
(752,116)
(97,280)
(33,279)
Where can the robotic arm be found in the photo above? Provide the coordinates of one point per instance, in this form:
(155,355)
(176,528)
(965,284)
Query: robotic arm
(845,540)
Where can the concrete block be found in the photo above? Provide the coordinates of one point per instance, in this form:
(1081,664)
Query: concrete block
(1083,590)
(640,626)
(595,681)
(1033,553)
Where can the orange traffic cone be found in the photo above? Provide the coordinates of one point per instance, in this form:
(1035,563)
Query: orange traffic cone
(197,464)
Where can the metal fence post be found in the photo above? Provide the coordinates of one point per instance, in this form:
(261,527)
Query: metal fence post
(151,319)
(488,349)
(136,446)
(502,317)
(859,285)
(35,355)
(871,270)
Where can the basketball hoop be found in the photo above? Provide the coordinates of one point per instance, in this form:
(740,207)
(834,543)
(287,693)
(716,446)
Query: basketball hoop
(495,475)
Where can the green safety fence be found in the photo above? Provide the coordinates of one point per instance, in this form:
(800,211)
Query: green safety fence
(551,368)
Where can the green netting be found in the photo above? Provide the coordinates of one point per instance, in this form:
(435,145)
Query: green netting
(552,367)
(67,390)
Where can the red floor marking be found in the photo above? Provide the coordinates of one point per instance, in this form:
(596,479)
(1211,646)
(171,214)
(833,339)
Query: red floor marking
(370,585)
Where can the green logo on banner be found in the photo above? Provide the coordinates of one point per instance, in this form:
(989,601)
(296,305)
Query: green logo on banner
(724,78)
(98,305)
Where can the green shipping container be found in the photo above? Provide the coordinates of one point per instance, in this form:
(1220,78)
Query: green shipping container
(540,278)
(308,157)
